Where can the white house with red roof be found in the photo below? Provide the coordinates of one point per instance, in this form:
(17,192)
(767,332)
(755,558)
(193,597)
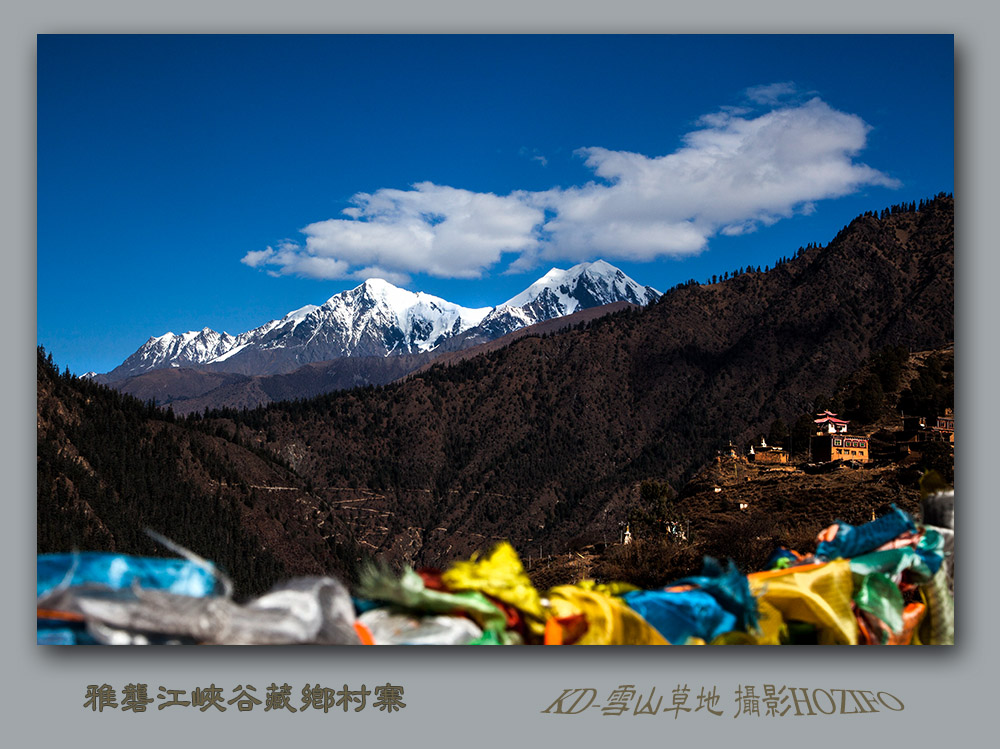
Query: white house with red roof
(832,442)
(829,423)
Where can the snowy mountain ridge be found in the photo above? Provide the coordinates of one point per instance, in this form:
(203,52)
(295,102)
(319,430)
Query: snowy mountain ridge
(377,318)
(563,292)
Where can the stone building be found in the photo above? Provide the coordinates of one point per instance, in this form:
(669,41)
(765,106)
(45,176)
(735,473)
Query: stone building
(833,442)
(764,453)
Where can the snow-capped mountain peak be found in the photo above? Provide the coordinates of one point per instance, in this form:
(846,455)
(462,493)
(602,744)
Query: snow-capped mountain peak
(563,292)
(377,318)
(301,313)
(406,321)
(187,349)
(603,281)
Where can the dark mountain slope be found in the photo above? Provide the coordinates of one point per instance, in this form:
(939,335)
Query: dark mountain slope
(110,466)
(547,438)
(189,391)
(548,327)
(176,386)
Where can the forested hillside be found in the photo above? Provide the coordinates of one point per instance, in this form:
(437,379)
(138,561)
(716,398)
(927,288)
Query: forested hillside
(544,442)
(110,466)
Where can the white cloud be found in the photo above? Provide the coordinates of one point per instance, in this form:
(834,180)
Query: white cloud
(534,154)
(771,93)
(373,271)
(256,258)
(715,119)
(731,177)
(433,229)
(291,259)
(734,174)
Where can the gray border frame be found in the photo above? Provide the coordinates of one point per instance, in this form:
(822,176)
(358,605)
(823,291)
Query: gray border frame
(459,696)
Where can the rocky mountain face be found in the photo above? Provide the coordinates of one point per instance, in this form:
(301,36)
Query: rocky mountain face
(190,390)
(187,350)
(373,319)
(559,293)
(377,319)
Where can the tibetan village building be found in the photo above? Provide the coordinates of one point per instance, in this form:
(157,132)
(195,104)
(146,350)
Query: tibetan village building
(763,453)
(946,425)
(916,430)
(832,442)
(829,423)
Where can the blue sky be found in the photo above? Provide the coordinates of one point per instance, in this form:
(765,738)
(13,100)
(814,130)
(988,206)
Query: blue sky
(204,181)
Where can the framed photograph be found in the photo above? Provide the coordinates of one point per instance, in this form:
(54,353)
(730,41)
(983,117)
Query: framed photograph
(495,339)
(443,326)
